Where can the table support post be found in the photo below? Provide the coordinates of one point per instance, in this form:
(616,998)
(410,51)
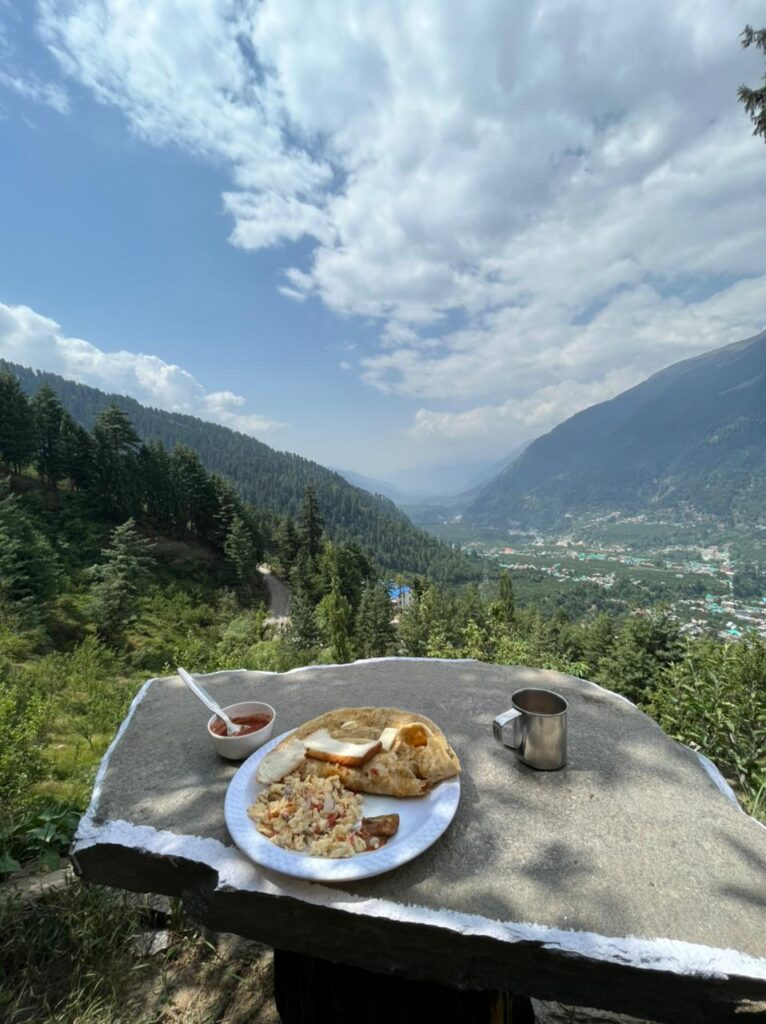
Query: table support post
(308,990)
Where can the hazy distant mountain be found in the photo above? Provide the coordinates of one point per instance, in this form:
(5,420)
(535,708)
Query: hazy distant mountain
(384,487)
(492,469)
(691,436)
(272,480)
(471,477)
(446,478)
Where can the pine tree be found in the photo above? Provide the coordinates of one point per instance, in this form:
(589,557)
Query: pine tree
(49,416)
(77,454)
(304,631)
(506,599)
(229,507)
(18,437)
(310,523)
(115,462)
(303,576)
(114,432)
(196,494)
(470,608)
(354,570)
(438,615)
(335,619)
(118,582)
(242,555)
(599,642)
(29,568)
(375,633)
(254,523)
(160,497)
(287,544)
(502,610)
(413,632)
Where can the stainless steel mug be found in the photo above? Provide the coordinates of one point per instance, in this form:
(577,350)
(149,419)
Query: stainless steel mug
(535,727)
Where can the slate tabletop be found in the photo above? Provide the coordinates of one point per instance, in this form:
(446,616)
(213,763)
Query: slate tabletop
(628,880)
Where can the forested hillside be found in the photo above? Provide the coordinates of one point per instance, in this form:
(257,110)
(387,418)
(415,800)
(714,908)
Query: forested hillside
(692,437)
(272,480)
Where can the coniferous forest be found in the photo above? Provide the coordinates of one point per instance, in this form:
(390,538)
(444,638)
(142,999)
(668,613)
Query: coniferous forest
(120,559)
(271,481)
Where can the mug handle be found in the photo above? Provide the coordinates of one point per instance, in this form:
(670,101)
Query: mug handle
(501,721)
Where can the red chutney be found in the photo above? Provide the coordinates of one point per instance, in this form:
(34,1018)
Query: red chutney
(250,723)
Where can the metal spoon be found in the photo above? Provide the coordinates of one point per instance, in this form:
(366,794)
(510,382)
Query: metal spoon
(232,729)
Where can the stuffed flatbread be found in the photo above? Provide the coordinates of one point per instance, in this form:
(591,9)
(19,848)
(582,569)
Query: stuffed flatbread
(384,751)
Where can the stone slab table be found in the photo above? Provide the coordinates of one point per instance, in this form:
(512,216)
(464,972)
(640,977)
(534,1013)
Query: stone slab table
(630,880)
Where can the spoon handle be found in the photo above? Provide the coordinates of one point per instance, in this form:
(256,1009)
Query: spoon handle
(207,700)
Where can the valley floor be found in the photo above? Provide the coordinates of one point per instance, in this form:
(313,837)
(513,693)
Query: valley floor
(635,565)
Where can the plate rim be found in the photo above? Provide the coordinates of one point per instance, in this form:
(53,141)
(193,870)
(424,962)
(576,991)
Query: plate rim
(332,869)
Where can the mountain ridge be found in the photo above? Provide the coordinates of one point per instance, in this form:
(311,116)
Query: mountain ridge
(692,435)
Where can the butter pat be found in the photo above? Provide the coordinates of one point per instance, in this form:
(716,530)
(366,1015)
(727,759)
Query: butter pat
(388,738)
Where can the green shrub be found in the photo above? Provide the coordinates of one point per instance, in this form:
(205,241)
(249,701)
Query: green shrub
(644,649)
(279,655)
(240,637)
(42,835)
(715,701)
(95,700)
(17,643)
(22,714)
(194,651)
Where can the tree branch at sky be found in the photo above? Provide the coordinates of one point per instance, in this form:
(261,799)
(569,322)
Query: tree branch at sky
(754,100)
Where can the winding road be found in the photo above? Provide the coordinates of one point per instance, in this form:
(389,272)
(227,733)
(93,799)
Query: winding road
(279,596)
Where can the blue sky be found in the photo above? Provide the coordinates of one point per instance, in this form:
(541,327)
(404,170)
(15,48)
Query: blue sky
(384,237)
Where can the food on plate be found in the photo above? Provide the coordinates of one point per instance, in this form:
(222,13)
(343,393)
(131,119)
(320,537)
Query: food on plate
(282,761)
(323,747)
(383,751)
(382,826)
(319,817)
(249,723)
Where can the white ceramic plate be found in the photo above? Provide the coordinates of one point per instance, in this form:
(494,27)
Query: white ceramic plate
(421,821)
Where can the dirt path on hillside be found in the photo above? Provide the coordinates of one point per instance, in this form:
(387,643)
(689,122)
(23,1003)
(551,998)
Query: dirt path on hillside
(279,596)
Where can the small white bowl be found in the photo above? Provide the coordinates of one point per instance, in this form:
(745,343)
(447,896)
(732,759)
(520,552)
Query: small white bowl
(237,748)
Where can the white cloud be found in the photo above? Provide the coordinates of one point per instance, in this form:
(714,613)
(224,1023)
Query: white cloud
(523,417)
(663,330)
(191,79)
(31,339)
(537,200)
(32,88)
(24,83)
